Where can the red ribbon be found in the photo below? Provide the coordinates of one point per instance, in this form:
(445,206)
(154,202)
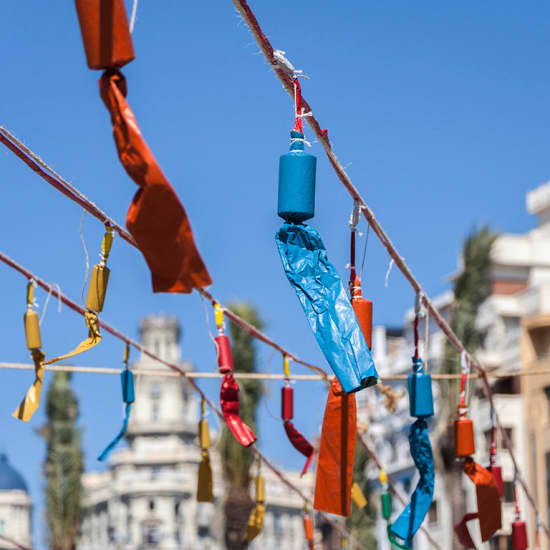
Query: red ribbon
(229,401)
(156,218)
(300,443)
(488,504)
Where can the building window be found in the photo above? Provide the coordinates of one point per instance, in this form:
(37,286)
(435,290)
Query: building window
(277,524)
(432,513)
(155,412)
(2,526)
(508,489)
(155,471)
(155,390)
(152,535)
(151,505)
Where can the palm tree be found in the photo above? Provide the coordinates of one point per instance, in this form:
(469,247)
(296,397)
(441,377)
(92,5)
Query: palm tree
(64,464)
(472,287)
(236,459)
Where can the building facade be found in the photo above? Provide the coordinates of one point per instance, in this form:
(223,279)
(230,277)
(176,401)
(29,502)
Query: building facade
(15,507)
(514,322)
(146,498)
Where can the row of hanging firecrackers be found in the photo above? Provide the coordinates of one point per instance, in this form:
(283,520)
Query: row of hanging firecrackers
(128,397)
(31,401)
(315,280)
(298,441)
(256,518)
(156,218)
(95,299)
(229,391)
(403,529)
(487,489)
(205,492)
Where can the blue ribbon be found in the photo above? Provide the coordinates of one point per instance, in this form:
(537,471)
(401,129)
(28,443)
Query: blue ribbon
(118,437)
(127,383)
(410,520)
(326,305)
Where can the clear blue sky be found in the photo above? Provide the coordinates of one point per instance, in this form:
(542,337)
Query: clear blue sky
(439,111)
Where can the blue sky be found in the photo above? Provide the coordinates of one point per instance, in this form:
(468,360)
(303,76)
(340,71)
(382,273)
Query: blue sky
(438,111)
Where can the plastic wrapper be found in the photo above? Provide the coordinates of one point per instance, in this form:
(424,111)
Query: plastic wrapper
(411,518)
(488,504)
(300,443)
(31,401)
(336,453)
(156,218)
(326,305)
(229,400)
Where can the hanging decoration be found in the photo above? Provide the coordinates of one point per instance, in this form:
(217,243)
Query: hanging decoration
(421,407)
(309,532)
(314,278)
(487,492)
(519,527)
(357,496)
(128,397)
(156,218)
(361,306)
(31,401)
(229,391)
(336,452)
(95,299)
(256,519)
(299,442)
(205,492)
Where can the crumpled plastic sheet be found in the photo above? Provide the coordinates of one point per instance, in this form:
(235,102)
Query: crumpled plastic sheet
(326,305)
(411,518)
(229,401)
(156,218)
(300,443)
(488,504)
(336,453)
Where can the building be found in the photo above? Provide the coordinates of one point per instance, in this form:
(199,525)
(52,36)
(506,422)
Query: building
(15,507)
(515,325)
(146,497)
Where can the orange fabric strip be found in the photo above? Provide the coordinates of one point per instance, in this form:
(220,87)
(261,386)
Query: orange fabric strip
(336,453)
(156,218)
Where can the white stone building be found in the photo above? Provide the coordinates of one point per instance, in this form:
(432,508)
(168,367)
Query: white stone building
(15,507)
(146,498)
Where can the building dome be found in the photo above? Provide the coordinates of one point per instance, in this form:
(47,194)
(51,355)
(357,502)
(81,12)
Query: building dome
(10,479)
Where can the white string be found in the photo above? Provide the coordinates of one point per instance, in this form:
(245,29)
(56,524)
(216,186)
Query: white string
(47,301)
(207,321)
(426,340)
(85,254)
(364,252)
(355,216)
(133,16)
(465,366)
(388,273)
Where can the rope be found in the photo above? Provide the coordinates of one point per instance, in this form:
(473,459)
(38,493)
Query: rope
(322,135)
(15,543)
(254,375)
(117,334)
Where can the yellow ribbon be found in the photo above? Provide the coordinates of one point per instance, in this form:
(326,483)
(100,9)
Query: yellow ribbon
(205,491)
(94,337)
(357,496)
(31,401)
(255,522)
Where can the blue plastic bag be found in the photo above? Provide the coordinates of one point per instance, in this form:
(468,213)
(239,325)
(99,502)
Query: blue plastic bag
(411,518)
(326,305)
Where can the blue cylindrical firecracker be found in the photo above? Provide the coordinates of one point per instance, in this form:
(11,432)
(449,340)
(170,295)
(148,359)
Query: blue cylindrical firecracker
(421,401)
(297,182)
(127,382)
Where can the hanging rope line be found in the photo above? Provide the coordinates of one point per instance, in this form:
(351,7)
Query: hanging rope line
(322,135)
(254,375)
(15,543)
(108,328)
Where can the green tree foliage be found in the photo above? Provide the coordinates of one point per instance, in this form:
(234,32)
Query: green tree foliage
(237,460)
(64,464)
